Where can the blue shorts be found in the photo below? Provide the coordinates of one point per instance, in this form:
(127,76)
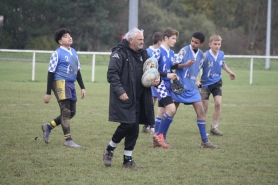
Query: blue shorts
(64,90)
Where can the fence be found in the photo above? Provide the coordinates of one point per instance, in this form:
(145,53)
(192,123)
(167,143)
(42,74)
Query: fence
(108,53)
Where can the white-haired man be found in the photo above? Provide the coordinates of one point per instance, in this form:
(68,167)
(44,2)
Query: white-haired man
(130,102)
(126,92)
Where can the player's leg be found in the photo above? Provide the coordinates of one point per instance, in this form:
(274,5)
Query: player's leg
(205,93)
(166,120)
(47,127)
(217,109)
(160,112)
(65,106)
(152,127)
(201,122)
(217,94)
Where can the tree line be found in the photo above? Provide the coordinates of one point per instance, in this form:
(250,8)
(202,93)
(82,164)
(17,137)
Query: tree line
(97,25)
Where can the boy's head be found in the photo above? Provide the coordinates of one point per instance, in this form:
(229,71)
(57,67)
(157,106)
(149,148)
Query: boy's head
(215,43)
(215,38)
(158,36)
(200,36)
(197,40)
(60,33)
(170,37)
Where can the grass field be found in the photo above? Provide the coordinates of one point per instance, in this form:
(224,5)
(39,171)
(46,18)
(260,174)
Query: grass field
(248,151)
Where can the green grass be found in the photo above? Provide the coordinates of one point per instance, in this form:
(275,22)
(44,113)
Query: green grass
(248,150)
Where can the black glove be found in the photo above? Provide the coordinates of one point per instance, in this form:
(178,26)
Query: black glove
(177,87)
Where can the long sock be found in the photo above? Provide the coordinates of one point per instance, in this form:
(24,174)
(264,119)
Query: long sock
(51,125)
(67,137)
(202,128)
(165,124)
(157,124)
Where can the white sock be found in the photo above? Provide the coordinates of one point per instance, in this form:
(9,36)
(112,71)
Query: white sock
(111,143)
(215,125)
(128,152)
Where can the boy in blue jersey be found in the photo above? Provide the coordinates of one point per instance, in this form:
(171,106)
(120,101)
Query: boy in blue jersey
(166,106)
(63,71)
(153,51)
(211,79)
(188,76)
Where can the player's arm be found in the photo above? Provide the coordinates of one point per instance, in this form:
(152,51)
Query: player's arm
(50,76)
(186,64)
(230,72)
(198,83)
(178,62)
(81,84)
(50,80)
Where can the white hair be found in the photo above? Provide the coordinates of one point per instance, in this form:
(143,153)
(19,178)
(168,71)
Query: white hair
(132,33)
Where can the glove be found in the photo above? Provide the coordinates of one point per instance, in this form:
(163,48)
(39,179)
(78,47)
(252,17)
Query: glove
(177,87)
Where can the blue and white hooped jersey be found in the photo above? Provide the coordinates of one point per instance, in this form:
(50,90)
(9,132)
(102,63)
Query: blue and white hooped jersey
(64,64)
(188,75)
(153,52)
(212,68)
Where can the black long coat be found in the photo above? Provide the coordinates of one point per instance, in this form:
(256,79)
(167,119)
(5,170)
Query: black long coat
(121,76)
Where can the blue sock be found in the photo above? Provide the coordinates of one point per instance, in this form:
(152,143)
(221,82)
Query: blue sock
(165,123)
(202,128)
(157,124)
(49,127)
(167,128)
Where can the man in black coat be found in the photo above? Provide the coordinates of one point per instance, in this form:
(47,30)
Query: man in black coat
(130,102)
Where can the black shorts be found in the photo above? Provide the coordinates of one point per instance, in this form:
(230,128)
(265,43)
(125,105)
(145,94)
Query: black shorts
(214,89)
(165,101)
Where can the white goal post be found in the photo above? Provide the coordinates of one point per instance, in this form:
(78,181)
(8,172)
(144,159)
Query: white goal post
(108,53)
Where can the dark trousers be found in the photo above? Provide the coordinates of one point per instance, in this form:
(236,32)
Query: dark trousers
(129,131)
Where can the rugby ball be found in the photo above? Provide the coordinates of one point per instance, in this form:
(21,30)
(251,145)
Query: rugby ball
(149,77)
(150,63)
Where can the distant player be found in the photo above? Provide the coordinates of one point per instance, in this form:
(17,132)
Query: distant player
(166,106)
(211,80)
(153,51)
(188,76)
(63,71)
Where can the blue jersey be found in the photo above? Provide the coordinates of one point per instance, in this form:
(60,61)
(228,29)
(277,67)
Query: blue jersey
(212,68)
(188,75)
(156,54)
(64,64)
(153,52)
(165,61)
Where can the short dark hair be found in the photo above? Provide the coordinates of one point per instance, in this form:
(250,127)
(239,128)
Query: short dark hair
(169,32)
(158,36)
(59,34)
(200,36)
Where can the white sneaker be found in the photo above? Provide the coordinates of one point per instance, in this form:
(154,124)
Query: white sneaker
(72,144)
